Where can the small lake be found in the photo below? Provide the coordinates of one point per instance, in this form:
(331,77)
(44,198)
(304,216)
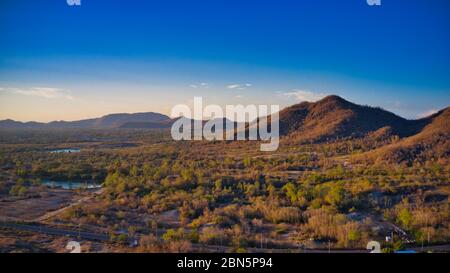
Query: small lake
(70,185)
(65,151)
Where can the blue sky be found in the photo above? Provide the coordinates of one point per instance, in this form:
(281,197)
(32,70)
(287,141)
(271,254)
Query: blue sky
(72,62)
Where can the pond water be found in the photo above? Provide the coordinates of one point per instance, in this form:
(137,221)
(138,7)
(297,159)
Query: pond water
(65,151)
(70,185)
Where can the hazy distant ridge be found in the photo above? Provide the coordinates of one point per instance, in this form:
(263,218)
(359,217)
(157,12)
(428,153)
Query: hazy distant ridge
(105,122)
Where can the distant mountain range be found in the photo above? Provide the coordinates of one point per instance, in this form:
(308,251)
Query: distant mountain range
(330,119)
(105,122)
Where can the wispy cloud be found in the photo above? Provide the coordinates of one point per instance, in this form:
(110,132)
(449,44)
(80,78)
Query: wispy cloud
(200,85)
(239,86)
(303,95)
(43,92)
(427,113)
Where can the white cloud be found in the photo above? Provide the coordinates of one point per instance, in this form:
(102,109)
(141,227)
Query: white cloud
(303,95)
(43,92)
(427,113)
(200,85)
(239,86)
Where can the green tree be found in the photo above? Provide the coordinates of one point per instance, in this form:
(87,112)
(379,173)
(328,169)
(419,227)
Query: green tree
(291,191)
(218,185)
(404,217)
(335,196)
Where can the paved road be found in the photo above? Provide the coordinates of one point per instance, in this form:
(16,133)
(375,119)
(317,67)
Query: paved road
(105,238)
(56,231)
